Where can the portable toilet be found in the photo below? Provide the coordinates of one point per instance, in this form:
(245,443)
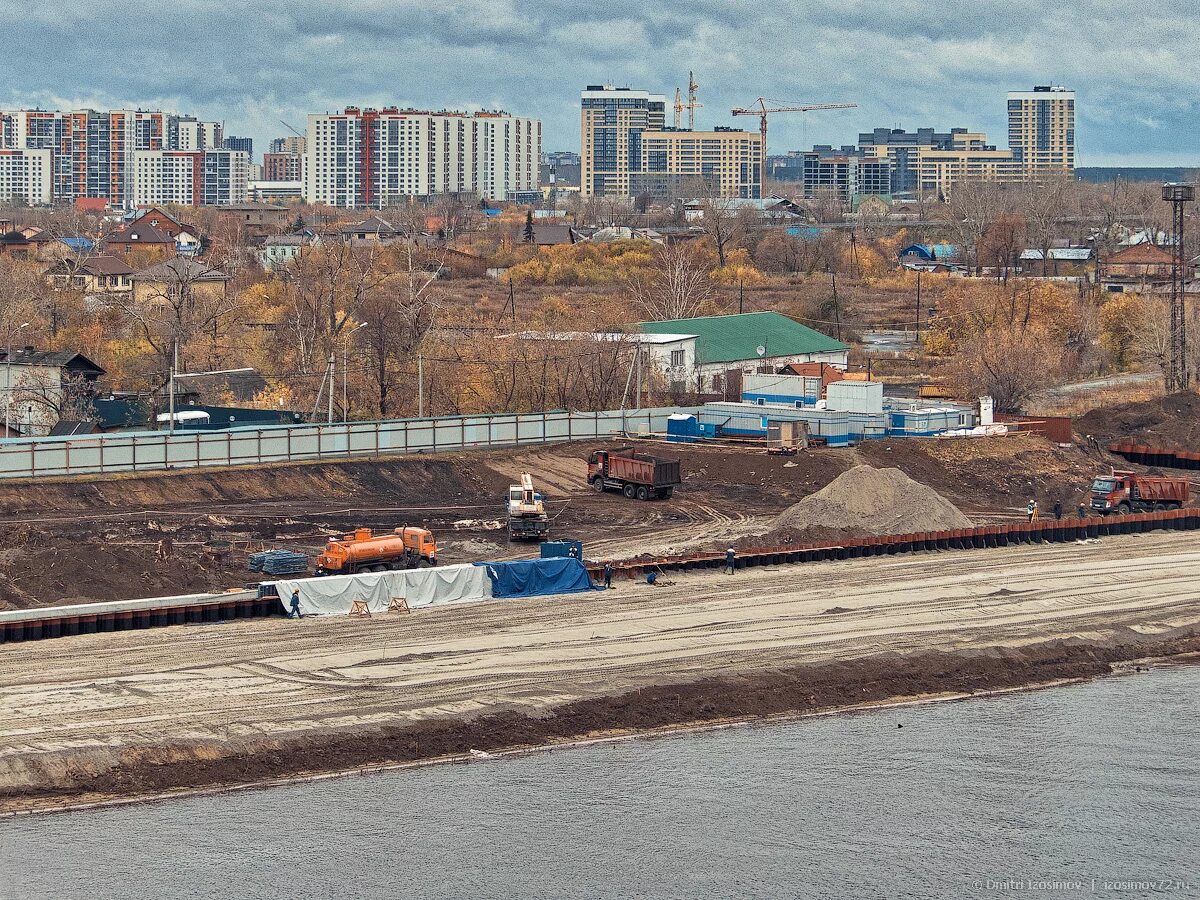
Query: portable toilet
(683,429)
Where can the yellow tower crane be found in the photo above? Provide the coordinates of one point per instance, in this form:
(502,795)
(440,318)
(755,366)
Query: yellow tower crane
(759,108)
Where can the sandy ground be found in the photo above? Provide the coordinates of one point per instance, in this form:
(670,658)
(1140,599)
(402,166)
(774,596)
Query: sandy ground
(76,708)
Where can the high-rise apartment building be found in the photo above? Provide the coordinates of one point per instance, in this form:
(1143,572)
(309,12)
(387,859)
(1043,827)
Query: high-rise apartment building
(190,178)
(725,162)
(626,149)
(189,133)
(1041,129)
(370,158)
(293,144)
(929,162)
(612,123)
(93,152)
(26,177)
(245,144)
(282,167)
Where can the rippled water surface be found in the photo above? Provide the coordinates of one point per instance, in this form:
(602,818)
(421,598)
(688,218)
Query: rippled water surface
(1031,794)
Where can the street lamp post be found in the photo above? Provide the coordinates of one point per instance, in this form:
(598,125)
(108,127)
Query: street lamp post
(346,370)
(8,391)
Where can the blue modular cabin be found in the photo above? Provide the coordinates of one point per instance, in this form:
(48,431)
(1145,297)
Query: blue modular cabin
(757,420)
(791,390)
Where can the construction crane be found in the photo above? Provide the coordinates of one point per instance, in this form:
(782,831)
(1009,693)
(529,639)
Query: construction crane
(692,103)
(294,131)
(691,106)
(759,108)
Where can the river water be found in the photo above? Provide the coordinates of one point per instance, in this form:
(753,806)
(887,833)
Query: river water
(1084,790)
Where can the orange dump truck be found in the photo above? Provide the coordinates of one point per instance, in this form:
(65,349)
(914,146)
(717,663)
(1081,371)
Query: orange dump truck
(1124,492)
(363,551)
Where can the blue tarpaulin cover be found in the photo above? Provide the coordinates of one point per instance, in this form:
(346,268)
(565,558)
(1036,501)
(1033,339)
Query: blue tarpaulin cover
(538,577)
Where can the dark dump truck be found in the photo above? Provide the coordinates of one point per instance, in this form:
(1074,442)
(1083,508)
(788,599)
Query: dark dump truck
(633,474)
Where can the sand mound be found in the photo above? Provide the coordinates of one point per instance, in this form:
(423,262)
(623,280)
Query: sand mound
(875,501)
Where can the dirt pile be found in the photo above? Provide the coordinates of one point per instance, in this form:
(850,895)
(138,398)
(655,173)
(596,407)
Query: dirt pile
(1171,421)
(874,501)
(985,475)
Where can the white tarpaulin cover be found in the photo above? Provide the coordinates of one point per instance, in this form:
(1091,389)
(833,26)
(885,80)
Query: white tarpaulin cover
(334,594)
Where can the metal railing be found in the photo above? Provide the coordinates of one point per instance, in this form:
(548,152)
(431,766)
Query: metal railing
(159,451)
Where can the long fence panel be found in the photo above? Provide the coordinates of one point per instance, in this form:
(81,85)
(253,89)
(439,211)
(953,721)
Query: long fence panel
(157,451)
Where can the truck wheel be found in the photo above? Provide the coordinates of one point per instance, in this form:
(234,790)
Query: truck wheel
(1123,509)
(598,485)
(629,491)
(1159,507)
(643,493)
(666,493)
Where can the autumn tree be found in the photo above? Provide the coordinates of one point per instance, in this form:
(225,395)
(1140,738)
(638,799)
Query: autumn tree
(1008,362)
(1001,245)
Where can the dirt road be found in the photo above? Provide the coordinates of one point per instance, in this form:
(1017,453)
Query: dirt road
(74,710)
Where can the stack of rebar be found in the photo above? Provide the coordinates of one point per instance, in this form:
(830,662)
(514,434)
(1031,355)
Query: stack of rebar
(279,562)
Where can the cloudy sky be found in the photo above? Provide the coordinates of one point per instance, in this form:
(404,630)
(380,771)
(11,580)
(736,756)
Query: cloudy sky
(943,63)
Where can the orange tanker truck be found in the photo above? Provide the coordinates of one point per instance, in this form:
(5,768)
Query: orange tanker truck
(1124,492)
(362,551)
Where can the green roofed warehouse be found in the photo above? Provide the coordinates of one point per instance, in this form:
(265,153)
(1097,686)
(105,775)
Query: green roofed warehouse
(725,347)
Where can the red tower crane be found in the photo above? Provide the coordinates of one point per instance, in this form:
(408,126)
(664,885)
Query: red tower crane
(759,108)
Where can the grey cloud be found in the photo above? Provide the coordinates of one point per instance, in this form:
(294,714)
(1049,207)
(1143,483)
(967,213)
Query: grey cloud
(911,62)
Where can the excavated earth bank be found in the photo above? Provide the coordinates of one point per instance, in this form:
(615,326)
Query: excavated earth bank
(791,691)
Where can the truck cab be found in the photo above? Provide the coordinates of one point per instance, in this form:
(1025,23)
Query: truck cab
(1108,492)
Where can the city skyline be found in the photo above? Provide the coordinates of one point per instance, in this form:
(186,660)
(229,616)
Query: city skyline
(905,64)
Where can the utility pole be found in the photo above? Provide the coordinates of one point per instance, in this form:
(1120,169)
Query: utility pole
(918,307)
(332,376)
(346,370)
(741,296)
(420,386)
(837,306)
(171,386)
(8,386)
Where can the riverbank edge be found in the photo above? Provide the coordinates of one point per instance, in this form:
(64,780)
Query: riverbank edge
(869,683)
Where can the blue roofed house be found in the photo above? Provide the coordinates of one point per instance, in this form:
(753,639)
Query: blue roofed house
(921,255)
(726,347)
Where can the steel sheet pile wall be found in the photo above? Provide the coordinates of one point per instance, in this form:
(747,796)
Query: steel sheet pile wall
(159,451)
(124,615)
(61,621)
(1146,455)
(1010,534)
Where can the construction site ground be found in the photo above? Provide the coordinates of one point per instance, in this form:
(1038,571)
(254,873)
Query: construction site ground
(127,536)
(125,714)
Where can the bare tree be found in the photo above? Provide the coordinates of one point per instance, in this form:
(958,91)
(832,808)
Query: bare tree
(1043,204)
(974,206)
(676,286)
(58,397)
(183,301)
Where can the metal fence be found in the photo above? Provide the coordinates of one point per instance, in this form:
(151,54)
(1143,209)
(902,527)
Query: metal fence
(160,451)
